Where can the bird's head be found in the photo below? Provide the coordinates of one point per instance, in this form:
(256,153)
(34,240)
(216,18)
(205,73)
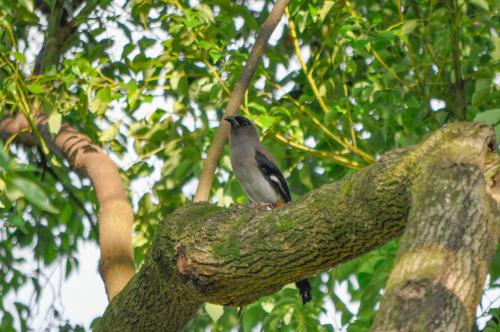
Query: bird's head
(242,128)
(238,121)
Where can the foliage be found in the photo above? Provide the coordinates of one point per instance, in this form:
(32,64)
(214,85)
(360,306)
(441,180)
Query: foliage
(148,80)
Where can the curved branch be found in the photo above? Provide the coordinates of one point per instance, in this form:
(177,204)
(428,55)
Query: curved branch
(233,106)
(115,215)
(236,255)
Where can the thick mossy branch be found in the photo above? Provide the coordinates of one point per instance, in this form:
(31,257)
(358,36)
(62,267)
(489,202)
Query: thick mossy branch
(236,255)
(451,237)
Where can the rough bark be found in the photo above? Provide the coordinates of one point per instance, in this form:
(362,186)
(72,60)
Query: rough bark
(453,228)
(115,215)
(233,106)
(235,255)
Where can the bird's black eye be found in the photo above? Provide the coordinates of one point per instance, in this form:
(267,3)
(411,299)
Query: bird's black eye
(242,121)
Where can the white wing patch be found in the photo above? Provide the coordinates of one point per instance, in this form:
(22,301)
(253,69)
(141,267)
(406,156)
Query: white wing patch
(275,179)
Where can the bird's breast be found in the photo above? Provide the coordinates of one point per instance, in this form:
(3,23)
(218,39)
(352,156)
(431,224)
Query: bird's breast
(253,181)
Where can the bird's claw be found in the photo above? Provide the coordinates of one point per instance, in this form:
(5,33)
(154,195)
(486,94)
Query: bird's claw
(260,206)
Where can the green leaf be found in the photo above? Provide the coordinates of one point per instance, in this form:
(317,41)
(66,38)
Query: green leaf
(327,6)
(32,192)
(267,121)
(491,117)
(109,133)
(481,91)
(19,57)
(35,88)
(495,267)
(133,93)
(215,311)
(251,317)
(481,3)
(409,26)
(101,101)
(313,12)
(54,121)
(215,55)
(17,221)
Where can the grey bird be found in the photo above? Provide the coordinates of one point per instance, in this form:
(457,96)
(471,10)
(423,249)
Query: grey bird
(258,175)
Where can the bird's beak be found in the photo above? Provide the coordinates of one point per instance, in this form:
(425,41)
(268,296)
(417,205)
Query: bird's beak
(232,121)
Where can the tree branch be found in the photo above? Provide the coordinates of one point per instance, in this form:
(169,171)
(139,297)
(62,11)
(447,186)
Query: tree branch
(235,255)
(55,36)
(459,102)
(234,103)
(60,33)
(450,240)
(115,215)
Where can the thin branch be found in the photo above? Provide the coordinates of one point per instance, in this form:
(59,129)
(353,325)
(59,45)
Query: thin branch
(310,79)
(348,111)
(413,61)
(314,87)
(323,154)
(306,112)
(389,69)
(61,33)
(233,106)
(44,165)
(84,13)
(50,52)
(215,74)
(458,85)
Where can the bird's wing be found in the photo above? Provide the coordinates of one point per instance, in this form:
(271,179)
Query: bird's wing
(272,174)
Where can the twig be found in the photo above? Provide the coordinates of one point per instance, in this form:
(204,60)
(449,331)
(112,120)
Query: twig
(458,86)
(348,111)
(312,83)
(46,167)
(323,154)
(389,69)
(22,101)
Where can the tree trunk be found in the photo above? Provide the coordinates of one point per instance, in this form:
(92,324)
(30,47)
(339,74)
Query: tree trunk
(233,256)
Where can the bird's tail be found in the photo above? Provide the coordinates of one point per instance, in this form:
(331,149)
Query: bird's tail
(305,290)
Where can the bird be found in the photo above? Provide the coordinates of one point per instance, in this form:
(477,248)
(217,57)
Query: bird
(258,174)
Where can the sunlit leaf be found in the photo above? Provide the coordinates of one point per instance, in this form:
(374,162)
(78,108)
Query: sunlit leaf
(214,311)
(23,187)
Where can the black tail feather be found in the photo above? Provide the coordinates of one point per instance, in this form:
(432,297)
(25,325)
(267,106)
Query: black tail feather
(305,290)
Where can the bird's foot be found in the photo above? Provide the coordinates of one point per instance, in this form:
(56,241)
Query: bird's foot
(260,206)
